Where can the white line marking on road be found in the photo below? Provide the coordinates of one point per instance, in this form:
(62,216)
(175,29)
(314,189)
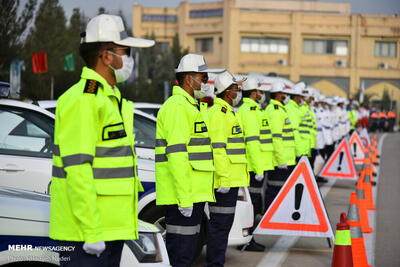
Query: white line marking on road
(369,239)
(279,252)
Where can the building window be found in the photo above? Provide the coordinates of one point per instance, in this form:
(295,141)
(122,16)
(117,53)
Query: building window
(385,49)
(317,46)
(159,18)
(206,13)
(264,45)
(204,45)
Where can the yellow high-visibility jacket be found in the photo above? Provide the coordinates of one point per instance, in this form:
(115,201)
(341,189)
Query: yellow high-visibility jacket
(94,189)
(282,134)
(249,113)
(228,146)
(300,129)
(184,160)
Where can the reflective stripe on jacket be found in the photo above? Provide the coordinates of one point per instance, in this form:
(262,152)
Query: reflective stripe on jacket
(300,129)
(229,150)
(94,189)
(282,134)
(248,112)
(184,160)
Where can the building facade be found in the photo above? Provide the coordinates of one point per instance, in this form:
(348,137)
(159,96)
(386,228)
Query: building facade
(321,43)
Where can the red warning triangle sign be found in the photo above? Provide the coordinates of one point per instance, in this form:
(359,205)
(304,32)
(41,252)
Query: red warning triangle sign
(298,209)
(340,165)
(357,148)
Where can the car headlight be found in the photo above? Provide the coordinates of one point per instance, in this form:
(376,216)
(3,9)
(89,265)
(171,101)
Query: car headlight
(146,248)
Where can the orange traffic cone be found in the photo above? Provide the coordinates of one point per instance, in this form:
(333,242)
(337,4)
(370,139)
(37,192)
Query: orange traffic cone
(368,189)
(342,256)
(357,241)
(362,211)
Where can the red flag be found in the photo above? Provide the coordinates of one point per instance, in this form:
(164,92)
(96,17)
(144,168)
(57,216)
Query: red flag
(39,62)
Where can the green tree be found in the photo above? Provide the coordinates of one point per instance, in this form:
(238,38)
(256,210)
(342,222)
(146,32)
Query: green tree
(12,29)
(386,100)
(177,50)
(48,35)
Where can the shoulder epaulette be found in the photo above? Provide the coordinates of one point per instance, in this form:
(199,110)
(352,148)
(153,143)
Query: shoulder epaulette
(253,108)
(223,109)
(91,87)
(276,106)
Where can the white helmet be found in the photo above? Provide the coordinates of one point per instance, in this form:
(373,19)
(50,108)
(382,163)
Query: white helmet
(195,63)
(278,86)
(223,81)
(252,83)
(109,28)
(308,91)
(297,89)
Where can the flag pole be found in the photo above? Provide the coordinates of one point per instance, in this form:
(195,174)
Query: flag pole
(52,88)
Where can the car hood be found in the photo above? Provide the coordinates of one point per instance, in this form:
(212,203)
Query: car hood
(28,205)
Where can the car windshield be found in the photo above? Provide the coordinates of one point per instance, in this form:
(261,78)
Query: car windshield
(145,132)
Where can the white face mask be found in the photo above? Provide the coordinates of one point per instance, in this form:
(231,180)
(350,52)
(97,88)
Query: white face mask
(205,88)
(125,71)
(286,100)
(262,99)
(301,102)
(237,99)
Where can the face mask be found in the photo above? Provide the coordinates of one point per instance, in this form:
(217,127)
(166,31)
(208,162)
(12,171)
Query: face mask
(237,99)
(286,100)
(301,102)
(262,99)
(204,90)
(123,73)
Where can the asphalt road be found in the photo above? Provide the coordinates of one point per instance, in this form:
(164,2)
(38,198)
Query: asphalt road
(383,244)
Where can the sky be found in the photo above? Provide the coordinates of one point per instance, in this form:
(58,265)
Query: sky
(90,7)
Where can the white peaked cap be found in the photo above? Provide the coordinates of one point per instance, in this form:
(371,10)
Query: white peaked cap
(109,28)
(195,63)
(224,80)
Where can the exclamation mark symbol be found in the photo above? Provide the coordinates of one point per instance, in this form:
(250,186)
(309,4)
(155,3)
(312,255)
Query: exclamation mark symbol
(355,149)
(339,168)
(298,193)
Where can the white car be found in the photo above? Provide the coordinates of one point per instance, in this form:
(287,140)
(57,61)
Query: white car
(149,108)
(26,163)
(24,231)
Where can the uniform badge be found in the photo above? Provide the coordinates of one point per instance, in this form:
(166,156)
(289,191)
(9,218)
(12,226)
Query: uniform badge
(236,130)
(223,109)
(200,127)
(276,106)
(91,87)
(253,108)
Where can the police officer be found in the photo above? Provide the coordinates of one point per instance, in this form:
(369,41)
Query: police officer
(94,189)
(184,160)
(230,165)
(301,131)
(284,148)
(351,113)
(250,112)
(310,121)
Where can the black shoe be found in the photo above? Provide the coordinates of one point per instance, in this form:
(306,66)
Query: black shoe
(321,180)
(252,246)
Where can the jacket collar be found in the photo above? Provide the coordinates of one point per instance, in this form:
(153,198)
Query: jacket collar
(292,103)
(276,102)
(250,101)
(223,103)
(90,74)
(177,90)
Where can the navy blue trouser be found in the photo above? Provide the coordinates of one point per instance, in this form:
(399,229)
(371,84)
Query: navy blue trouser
(222,213)
(276,180)
(110,257)
(255,190)
(182,234)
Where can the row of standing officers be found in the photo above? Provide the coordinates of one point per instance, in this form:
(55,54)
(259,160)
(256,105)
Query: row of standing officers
(205,155)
